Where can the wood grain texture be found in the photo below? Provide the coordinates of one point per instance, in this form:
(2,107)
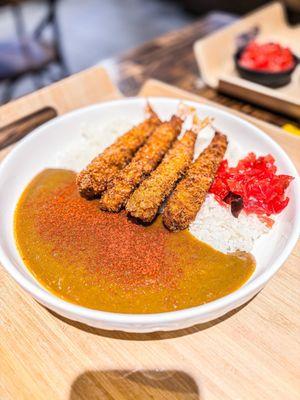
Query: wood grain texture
(251,353)
(170,58)
(16,130)
(78,90)
(218,70)
(20,117)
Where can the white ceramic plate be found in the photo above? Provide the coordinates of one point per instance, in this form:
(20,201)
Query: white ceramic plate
(40,149)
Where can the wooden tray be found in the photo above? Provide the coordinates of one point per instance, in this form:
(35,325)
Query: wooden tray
(252,353)
(214,54)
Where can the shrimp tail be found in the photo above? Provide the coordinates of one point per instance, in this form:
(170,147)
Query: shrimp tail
(199,124)
(184,111)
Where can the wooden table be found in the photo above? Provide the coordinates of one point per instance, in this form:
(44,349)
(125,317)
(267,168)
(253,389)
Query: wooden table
(251,353)
(170,58)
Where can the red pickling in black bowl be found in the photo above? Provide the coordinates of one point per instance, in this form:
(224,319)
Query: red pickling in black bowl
(268,64)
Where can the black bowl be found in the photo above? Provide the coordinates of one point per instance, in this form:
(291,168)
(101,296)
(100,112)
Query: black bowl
(271,79)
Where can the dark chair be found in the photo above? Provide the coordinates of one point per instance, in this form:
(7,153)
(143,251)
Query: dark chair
(31,54)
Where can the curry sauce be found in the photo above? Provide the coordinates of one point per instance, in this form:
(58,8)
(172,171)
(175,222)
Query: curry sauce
(109,262)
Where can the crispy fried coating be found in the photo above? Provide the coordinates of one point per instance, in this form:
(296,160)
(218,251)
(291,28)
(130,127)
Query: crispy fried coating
(145,201)
(189,195)
(93,180)
(142,164)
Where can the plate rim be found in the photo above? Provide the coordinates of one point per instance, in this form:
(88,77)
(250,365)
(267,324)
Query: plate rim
(225,303)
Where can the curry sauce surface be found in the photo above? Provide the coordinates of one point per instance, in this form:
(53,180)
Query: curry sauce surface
(108,262)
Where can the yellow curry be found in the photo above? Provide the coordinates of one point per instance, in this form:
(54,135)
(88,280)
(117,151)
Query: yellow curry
(108,262)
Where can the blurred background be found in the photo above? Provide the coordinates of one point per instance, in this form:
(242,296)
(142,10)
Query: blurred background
(42,41)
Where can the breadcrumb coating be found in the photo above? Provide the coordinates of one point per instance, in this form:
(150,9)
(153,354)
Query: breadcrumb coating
(93,180)
(142,164)
(189,195)
(148,197)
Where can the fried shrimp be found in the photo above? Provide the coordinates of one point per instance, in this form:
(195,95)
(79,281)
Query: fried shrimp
(93,180)
(189,195)
(148,197)
(142,164)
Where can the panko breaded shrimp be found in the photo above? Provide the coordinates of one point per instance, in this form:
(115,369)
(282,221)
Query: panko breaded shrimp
(142,164)
(93,180)
(189,195)
(145,201)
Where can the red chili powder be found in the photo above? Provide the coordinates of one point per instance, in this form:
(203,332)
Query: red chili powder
(106,245)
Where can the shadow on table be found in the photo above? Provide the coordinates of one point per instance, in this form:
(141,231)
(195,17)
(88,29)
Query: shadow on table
(149,336)
(141,384)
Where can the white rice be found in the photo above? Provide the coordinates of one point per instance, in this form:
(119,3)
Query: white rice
(92,141)
(216,226)
(214,223)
